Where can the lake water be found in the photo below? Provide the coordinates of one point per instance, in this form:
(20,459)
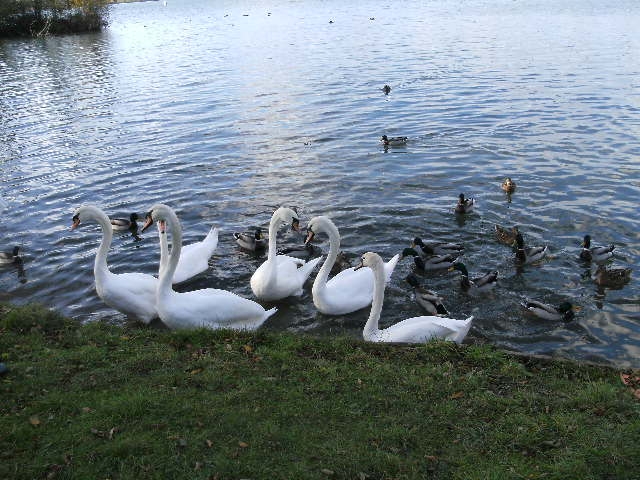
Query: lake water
(225,110)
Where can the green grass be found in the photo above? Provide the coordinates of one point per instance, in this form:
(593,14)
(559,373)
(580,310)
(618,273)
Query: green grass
(100,401)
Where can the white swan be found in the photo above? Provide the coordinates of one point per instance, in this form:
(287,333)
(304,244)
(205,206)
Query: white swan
(349,290)
(209,307)
(194,258)
(281,276)
(411,330)
(133,294)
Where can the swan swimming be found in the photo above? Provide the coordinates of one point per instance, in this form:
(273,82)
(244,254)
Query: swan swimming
(411,330)
(133,294)
(281,276)
(349,290)
(206,308)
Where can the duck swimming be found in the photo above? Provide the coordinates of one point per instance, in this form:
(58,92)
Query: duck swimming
(506,236)
(394,141)
(10,257)
(437,248)
(529,254)
(252,241)
(436,262)
(120,224)
(427,299)
(464,205)
(509,186)
(612,277)
(565,311)
(596,254)
(478,284)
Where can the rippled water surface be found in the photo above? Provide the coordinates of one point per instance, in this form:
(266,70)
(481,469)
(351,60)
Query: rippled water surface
(225,110)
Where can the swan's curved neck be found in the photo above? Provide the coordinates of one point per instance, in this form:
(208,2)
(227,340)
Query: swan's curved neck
(100,264)
(273,233)
(166,274)
(164,250)
(371,327)
(331,230)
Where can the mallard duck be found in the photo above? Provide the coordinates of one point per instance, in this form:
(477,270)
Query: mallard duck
(342,263)
(120,224)
(436,262)
(10,256)
(612,277)
(508,237)
(479,284)
(509,185)
(394,141)
(305,252)
(565,311)
(596,254)
(437,248)
(528,254)
(465,205)
(253,241)
(427,299)
(386,89)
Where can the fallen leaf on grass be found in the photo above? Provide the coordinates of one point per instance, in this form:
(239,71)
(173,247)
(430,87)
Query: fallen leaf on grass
(247,348)
(195,371)
(34,420)
(457,395)
(243,444)
(209,443)
(327,472)
(431,458)
(633,382)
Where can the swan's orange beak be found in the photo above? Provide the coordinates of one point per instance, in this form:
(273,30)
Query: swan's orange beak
(76,222)
(310,236)
(148,221)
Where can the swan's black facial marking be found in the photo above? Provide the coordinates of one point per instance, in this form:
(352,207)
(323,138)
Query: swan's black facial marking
(76,222)
(148,221)
(162,226)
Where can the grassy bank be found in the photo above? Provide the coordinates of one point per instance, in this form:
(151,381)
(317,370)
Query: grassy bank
(102,401)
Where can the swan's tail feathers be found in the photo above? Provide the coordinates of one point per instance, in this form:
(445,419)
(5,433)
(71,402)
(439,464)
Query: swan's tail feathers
(308,267)
(211,240)
(270,312)
(462,333)
(390,266)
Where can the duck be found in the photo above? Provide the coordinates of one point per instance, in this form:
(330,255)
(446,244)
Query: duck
(597,254)
(529,254)
(194,258)
(394,141)
(121,224)
(427,299)
(509,186)
(305,252)
(437,248)
(11,256)
(565,311)
(479,284)
(412,330)
(281,276)
(349,290)
(205,308)
(464,205)
(612,277)
(506,236)
(252,241)
(436,262)
(134,293)
(386,89)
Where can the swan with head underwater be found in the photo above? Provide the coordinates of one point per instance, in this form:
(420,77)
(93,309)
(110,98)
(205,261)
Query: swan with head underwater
(205,308)
(411,330)
(133,294)
(281,276)
(194,258)
(349,290)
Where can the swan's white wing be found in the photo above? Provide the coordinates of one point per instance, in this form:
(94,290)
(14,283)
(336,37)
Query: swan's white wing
(212,308)
(133,294)
(194,258)
(424,328)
